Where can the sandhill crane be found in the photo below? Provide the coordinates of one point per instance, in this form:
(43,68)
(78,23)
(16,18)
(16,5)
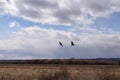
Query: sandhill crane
(61,44)
(72,44)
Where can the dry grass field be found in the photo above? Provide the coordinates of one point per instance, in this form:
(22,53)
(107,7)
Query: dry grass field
(59,72)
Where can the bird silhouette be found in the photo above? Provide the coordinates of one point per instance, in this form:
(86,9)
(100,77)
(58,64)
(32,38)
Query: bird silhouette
(72,43)
(61,44)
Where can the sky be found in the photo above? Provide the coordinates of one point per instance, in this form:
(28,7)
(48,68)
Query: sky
(32,29)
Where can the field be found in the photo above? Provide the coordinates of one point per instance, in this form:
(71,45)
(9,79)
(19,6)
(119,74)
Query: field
(59,72)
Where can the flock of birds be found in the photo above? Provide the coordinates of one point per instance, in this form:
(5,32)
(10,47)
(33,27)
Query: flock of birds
(72,43)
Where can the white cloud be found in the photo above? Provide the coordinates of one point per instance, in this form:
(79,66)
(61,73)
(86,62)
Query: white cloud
(65,12)
(36,42)
(3,7)
(13,24)
(102,8)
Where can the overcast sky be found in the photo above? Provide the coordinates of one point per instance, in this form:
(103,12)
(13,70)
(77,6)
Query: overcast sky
(31,29)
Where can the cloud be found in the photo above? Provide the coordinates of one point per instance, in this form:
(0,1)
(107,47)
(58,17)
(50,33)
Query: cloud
(36,42)
(13,24)
(63,12)
(102,8)
(3,7)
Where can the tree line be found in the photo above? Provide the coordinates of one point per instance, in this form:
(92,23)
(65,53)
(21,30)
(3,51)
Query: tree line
(60,61)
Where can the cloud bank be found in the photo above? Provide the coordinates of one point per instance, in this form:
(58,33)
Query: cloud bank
(36,42)
(63,12)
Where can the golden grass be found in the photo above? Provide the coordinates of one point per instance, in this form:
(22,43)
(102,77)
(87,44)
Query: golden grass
(59,72)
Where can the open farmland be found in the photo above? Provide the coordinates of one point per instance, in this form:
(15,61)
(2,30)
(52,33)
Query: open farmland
(59,72)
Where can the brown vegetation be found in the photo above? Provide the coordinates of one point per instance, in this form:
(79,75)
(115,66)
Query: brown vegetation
(59,72)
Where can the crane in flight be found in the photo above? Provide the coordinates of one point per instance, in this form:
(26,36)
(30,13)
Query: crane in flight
(60,44)
(72,43)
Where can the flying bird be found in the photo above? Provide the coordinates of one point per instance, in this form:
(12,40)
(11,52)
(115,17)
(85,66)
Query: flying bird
(61,44)
(72,43)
